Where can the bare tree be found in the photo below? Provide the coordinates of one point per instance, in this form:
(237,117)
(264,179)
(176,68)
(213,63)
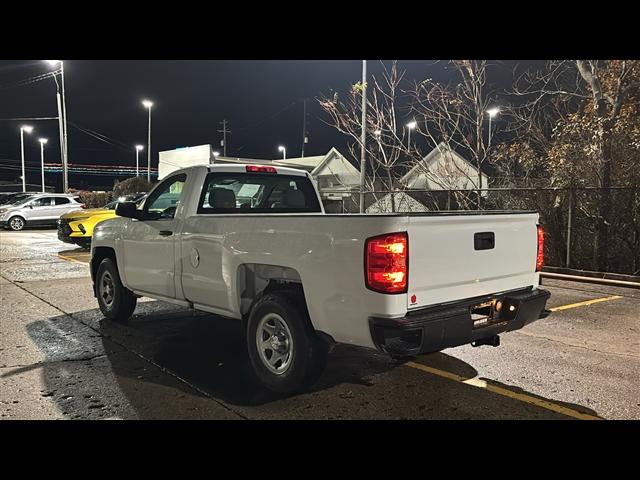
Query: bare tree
(385,150)
(456,115)
(591,96)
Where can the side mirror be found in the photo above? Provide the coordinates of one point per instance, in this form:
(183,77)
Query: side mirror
(128,210)
(31,206)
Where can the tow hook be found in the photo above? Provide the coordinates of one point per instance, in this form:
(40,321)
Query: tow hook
(493,340)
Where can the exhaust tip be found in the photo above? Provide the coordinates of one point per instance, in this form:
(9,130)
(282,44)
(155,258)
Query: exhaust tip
(493,341)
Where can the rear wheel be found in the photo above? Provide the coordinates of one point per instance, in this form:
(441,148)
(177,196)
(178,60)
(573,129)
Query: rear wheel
(17,223)
(116,302)
(286,354)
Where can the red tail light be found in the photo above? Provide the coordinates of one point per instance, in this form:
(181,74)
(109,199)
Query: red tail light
(386,263)
(261,169)
(82,205)
(540,255)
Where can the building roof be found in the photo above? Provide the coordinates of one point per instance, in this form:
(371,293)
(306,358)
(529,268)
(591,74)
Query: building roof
(402,203)
(433,156)
(306,163)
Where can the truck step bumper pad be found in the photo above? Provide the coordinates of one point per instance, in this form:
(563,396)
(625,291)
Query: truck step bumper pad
(437,327)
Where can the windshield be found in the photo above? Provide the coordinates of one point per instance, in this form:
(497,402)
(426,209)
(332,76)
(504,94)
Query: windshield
(18,199)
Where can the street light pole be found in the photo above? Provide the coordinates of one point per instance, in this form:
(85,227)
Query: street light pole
(138,148)
(42,141)
(492,113)
(284,152)
(148,104)
(410,126)
(28,129)
(363,132)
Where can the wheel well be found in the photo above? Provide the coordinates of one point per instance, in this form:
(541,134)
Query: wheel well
(255,280)
(99,254)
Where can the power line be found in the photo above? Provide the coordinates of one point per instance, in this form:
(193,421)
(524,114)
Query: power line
(260,122)
(28,81)
(28,118)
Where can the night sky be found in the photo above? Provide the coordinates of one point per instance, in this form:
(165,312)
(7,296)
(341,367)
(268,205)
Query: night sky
(262,100)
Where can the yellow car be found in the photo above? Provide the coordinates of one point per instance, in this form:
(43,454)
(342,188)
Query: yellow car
(76,227)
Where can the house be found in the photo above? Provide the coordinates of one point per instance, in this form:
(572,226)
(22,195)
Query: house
(336,177)
(443,169)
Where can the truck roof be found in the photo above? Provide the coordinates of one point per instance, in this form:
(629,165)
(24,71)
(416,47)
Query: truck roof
(242,168)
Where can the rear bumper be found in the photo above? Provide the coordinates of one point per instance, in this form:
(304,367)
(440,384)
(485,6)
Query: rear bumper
(438,327)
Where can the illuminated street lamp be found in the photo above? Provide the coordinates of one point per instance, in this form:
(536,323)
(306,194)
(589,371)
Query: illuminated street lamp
(62,122)
(410,126)
(284,152)
(28,129)
(43,142)
(215,155)
(492,113)
(139,148)
(148,104)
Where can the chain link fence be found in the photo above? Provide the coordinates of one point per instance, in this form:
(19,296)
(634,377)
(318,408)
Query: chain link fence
(569,215)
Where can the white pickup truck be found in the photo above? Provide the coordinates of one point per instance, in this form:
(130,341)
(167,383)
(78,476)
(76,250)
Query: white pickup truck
(253,243)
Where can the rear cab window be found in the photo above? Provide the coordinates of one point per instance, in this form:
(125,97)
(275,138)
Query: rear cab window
(257,193)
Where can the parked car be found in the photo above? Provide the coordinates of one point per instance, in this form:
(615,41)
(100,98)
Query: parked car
(11,197)
(76,227)
(253,243)
(37,209)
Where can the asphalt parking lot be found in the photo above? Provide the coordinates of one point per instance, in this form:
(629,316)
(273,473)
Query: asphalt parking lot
(59,358)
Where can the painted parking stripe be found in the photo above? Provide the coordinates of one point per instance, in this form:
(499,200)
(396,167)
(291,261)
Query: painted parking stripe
(523,397)
(585,303)
(71,259)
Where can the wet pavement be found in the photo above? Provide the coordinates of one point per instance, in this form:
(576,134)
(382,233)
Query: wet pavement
(59,358)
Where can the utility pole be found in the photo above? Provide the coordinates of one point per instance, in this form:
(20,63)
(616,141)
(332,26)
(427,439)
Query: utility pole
(305,139)
(224,132)
(65,165)
(62,120)
(363,134)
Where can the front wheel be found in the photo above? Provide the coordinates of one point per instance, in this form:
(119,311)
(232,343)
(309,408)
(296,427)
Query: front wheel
(116,302)
(17,223)
(284,350)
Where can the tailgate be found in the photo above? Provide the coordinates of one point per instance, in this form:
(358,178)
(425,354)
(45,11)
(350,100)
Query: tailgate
(463,256)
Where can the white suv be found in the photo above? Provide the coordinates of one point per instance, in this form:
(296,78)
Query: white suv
(37,209)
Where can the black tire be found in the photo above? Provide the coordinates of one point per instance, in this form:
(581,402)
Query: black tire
(308,352)
(16,223)
(116,303)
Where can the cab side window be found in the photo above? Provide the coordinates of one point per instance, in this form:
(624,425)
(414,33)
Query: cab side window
(41,202)
(61,200)
(165,199)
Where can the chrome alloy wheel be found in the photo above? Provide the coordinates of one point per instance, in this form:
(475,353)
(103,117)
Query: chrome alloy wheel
(274,343)
(106,289)
(16,223)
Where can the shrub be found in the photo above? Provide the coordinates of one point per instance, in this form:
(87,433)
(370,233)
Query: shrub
(131,186)
(92,199)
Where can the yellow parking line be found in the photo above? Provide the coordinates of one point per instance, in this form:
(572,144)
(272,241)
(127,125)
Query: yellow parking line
(584,304)
(523,397)
(72,259)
